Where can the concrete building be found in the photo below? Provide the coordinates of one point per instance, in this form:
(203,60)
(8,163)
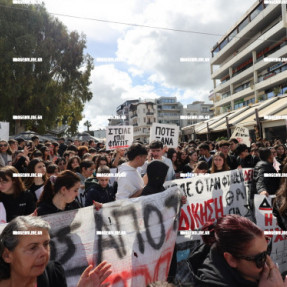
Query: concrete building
(196,112)
(244,66)
(123,111)
(142,115)
(169,111)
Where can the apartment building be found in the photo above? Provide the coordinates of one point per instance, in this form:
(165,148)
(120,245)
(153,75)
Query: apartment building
(246,64)
(196,112)
(142,115)
(169,110)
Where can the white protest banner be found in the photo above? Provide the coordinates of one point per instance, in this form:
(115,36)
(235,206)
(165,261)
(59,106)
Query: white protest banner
(167,134)
(211,196)
(140,244)
(268,222)
(119,137)
(242,135)
(2,213)
(4,131)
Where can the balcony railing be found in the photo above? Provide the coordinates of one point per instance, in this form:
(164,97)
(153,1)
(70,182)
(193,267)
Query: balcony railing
(149,114)
(135,125)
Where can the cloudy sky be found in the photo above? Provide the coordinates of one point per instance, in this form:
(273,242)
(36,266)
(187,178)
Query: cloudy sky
(149,59)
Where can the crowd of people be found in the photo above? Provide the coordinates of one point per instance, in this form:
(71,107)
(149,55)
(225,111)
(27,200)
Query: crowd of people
(40,178)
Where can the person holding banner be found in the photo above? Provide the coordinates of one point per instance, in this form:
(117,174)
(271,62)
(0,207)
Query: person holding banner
(234,254)
(59,193)
(25,260)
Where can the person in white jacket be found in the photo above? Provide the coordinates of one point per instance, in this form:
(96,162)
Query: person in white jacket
(130,182)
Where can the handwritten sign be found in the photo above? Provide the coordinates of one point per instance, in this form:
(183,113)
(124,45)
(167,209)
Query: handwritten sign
(167,134)
(119,137)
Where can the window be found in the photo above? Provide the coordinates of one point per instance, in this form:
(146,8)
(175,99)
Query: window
(232,34)
(256,11)
(224,43)
(243,24)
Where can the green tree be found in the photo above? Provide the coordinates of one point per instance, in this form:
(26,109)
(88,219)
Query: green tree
(88,125)
(56,88)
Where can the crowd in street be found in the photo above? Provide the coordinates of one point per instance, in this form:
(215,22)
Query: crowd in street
(40,178)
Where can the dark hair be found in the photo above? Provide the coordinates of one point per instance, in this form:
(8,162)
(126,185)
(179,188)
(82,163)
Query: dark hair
(156,144)
(51,168)
(43,149)
(31,169)
(204,146)
(65,178)
(82,150)
(73,148)
(86,164)
(69,166)
(59,159)
(34,138)
(18,184)
(225,166)
(135,150)
(98,160)
(170,153)
(234,141)
(92,150)
(232,233)
(223,143)
(264,153)
(20,140)
(12,142)
(36,153)
(241,148)
(202,165)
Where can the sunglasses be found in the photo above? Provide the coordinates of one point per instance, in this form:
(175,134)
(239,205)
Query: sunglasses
(1,145)
(260,258)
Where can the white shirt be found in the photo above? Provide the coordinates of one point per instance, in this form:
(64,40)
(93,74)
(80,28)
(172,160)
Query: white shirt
(129,184)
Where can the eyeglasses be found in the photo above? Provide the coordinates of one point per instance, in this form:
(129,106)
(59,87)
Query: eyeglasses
(5,145)
(260,258)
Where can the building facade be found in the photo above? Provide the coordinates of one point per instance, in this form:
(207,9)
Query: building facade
(142,115)
(247,64)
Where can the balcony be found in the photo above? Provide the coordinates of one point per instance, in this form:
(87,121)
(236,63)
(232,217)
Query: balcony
(134,115)
(135,125)
(149,123)
(149,114)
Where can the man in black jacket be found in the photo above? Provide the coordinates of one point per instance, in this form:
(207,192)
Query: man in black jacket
(265,181)
(245,159)
(230,159)
(205,154)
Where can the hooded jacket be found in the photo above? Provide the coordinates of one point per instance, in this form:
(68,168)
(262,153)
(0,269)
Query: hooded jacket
(156,173)
(210,269)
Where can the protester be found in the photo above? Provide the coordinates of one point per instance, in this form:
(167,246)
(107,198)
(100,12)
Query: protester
(46,153)
(62,146)
(204,154)
(21,160)
(5,154)
(61,163)
(235,253)
(16,200)
(233,145)
(193,159)
(182,159)
(201,167)
(118,156)
(280,202)
(219,163)
(35,184)
(54,148)
(36,141)
(280,149)
(101,161)
(82,150)
(263,183)
(59,193)
(131,184)
(156,153)
(223,146)
(74,164)
(87,168)
(36,154)
(13,144)
(101,191)
(25,260)
(244,159)
(21,143)
(52,169)
(172,155)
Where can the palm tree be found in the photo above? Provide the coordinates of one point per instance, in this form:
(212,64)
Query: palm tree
(87,124)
